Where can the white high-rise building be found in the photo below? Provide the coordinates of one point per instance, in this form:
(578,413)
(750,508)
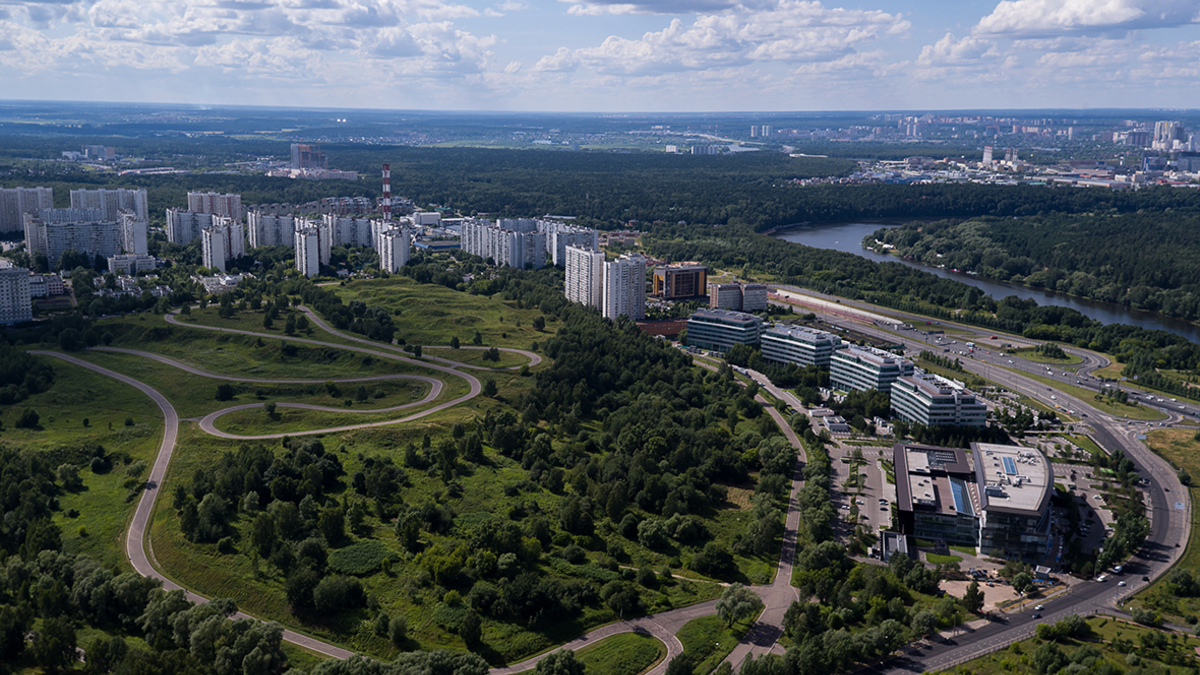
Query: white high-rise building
(54,231)
(625,287)
(346,231)
(216,204)
(585,276)
(133,233)
(212,244)
(185,226)
(112,202)
(515,243)
(394,249)
(267,230)
(308,251)
(560,235)
(16,202)
(16,303)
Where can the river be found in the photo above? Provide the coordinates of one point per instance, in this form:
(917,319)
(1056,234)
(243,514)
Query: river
(847,237)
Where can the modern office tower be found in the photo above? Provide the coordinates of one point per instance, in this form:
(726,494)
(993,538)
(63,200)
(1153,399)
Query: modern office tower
(215,204)
(625,287)
(16,304)
(725,296)
(560,235)
(1017,484)
(16,202)
(719,330)
(129,264)
(680,282)
(515,243)
(54,231)
(1166,132)
(270,230)
(860,369)
(133,233)
(585,276)
(185,226)
(395,248)
(308,251)
(344,231)
(112,202)
(799,345)
(306,156)
(933,401)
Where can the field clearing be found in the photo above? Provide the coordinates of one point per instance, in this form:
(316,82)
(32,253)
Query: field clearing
(624,654)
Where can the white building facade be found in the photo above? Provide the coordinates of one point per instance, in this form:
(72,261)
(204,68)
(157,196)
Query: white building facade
(515,243)
(16,202)
(860,369)
(186,226)
(935,401)
(308,251)
(112,202)
(585,276)
(270,230)
(16,304)
(625,287)
(395,249)
(54,231)
(801,346)
(216,204)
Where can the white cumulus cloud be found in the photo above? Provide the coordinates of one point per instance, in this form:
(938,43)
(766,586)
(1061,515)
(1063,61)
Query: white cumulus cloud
(1043,18)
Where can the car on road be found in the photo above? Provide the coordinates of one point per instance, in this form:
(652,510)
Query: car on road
(1038,608)
(1102,578)
(1144,578)
(1037,615)
(1118,568)
(1121,583)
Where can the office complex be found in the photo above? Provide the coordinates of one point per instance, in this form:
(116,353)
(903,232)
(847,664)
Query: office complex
(799,345)
(680,282)
(186,226)
(738,297)
(222,241)
(515,243)
(270,230)
(112,202)
(996,498)
(625,287)
(560,235)
(305,156)
(215,204)
(16,202)
(130,264)
(16,304)
(394,249)
(585,276)
(54,231)
(719,330)
(932,400)
(308,251)
(860,369)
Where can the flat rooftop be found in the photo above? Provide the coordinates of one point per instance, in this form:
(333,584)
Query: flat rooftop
(876,357)
(935,478)
(803,334)
(1013,479)
(725,316)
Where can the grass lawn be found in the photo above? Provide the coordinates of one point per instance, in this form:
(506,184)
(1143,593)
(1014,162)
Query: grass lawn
(76,395)
(1112,371)
(1030,354)
(708,641)
(969,550)
(475,357)
(1179,447)
(256,421)
(624,654)
(939,559)
(1018,658)
(252,321)
(431,314)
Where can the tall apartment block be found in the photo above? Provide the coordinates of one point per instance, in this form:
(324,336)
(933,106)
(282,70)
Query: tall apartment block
(346,231)
(395,249)
(515,243)
(222,241)
(270,230)
(53,231)
(16,304)
(308,251)
(16,202)
(560,235)
(680,282)
(585,276)
(625,287)
(216,204)
(305,156)
(185,226)
(112,202)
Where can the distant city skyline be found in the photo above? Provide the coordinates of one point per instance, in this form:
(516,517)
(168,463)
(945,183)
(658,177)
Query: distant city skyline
(606,55)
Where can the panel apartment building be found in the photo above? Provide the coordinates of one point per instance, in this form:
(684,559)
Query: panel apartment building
(216,204)
(625,287)
(222,241)
(585,276)
(560,235)
(515,243)
(53,231)
(16,303)
(112,202)
(16,202)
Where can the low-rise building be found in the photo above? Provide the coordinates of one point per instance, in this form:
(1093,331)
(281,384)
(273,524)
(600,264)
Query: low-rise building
(799,345)
(859,369)
(45,285)
(720,329)
(127,263)
(934,401)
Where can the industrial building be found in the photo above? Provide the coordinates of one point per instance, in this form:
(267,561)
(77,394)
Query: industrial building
(719,330)
(932,400)
(859,369)
(995,497)
(680,282)
(799,345)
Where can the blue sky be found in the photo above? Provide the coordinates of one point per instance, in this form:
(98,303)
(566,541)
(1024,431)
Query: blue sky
(606,55)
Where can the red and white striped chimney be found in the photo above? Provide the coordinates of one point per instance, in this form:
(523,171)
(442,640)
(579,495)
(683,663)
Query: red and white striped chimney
(387,192)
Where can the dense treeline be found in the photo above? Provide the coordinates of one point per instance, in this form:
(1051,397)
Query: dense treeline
(1147,261)
(21,374)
